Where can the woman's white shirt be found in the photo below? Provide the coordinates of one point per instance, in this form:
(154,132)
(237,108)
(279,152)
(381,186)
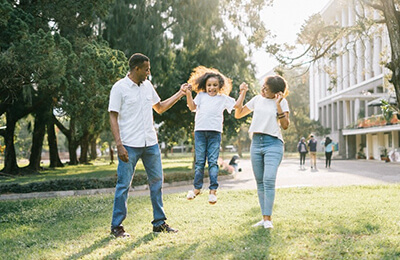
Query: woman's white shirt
(265,118)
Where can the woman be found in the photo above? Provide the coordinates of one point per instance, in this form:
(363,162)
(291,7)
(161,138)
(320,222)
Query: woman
(329,146)
(271,112)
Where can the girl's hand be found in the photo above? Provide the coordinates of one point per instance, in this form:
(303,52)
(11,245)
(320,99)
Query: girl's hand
(278,97)
(189,88)
(243,87)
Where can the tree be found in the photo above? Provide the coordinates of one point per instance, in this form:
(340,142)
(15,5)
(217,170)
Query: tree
(28,79)
(179,38)
(321,38)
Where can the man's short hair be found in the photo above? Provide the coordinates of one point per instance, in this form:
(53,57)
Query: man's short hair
(136,60)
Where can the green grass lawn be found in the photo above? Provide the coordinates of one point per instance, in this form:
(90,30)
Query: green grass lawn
(355,222)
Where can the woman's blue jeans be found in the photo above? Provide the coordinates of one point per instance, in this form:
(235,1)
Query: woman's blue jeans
(266,154)
(206,145)
(151,158)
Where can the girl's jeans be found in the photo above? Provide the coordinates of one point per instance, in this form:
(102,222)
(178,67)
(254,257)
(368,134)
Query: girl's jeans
(207,145)
(266,154)
(151,158)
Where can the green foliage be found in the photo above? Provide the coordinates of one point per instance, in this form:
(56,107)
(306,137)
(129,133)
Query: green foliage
(181,35)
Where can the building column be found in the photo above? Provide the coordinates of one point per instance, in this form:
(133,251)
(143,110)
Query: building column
(339,68)
(377,49)
(352,54)
(345,60)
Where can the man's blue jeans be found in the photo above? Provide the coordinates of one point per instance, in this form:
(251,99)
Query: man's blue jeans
(207,145)
(266,154)
(151,158)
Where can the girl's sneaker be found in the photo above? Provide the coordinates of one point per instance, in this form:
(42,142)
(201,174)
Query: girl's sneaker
(212,199)
(268,224)
(259,224)
(191,195)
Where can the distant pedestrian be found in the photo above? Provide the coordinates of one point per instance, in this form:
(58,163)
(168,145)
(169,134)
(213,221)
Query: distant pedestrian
(212,99)
(302,148)
(270,114)
(329,148)
(312,145)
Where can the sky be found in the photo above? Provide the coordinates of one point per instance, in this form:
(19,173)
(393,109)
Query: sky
(284,20)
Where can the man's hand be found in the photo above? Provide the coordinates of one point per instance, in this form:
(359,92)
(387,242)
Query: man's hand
(122,153)
(184,88)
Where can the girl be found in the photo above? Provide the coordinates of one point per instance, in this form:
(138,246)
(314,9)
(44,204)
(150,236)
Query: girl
(212,99)
(271,113)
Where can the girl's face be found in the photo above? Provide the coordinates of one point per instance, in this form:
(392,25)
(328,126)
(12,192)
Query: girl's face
(266,92)
(212,86)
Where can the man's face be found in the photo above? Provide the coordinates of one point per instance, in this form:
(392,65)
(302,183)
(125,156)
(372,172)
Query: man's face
(143,71)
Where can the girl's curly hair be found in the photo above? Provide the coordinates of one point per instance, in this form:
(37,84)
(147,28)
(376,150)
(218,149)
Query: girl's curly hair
(201,74)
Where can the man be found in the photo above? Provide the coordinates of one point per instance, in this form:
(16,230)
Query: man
(312,144)
(131,117)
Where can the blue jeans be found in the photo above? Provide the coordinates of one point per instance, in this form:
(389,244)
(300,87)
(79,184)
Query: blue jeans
(151,158)
(266,154)
(206,144)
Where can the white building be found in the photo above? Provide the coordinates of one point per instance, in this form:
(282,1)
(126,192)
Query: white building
(358,77)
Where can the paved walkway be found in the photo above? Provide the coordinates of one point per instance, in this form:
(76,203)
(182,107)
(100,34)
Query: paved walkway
(342,172)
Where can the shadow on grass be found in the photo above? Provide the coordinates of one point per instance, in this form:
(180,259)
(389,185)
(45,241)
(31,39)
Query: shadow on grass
(131,246)
(96,245)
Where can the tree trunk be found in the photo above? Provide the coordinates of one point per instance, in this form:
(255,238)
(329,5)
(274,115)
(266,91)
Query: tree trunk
(37,143)
(53,148)
(93,148)
(84,148)
(111,153)
(10,159)
(392,17)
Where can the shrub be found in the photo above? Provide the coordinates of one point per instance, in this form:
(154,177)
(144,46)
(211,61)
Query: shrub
(91,183)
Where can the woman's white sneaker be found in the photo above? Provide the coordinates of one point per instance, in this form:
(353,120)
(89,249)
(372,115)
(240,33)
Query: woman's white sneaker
(259,224)
(268,224)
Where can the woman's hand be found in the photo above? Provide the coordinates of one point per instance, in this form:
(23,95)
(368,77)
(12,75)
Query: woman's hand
(243,87)
(278,97)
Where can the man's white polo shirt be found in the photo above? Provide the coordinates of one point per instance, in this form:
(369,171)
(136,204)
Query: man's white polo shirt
(134,105)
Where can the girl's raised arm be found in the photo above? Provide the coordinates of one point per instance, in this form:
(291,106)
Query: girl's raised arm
(189,98)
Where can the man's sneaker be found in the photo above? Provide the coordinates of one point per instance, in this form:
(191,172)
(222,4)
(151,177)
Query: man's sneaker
(259,224)
(119,232)
(164,228)
(268,224)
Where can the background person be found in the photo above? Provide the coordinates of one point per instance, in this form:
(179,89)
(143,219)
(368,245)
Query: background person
(329,148)
(302,148)
(270,114)
(312,145)
(132,100)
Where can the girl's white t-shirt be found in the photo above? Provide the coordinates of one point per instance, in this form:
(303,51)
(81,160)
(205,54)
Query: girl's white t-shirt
(265,118)
(210,111)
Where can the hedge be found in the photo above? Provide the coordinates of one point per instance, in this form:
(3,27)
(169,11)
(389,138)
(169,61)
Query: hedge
(90,183)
